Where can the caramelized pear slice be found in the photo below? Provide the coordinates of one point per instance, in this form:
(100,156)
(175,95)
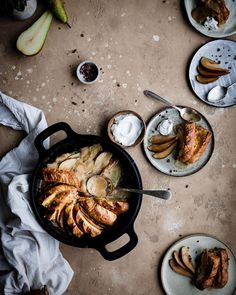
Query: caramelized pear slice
(211,65)
(159,139)
(113,172)
(85,223)
(161,147)
(70,220)
(74,155)
(102,161)
(186,258)
(178,269)
(100,214)
(166,152)
(68,164)
(205,80)
(205,73)
(177,259)
(90,152)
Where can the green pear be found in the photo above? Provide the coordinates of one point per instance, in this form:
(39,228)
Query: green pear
(58,9)
(31,41)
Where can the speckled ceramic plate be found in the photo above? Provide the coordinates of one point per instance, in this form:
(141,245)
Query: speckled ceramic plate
(228,29)
(175,284)
(170,165)
(224,52)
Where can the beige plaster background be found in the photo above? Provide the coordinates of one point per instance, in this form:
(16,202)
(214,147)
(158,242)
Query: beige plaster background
(118,36)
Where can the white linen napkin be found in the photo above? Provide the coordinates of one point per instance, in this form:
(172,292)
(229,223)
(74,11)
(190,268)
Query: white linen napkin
(29,257)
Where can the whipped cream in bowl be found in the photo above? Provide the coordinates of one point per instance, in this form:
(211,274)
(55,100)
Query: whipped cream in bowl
(126,128)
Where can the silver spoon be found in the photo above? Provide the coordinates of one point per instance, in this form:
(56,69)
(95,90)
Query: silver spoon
(188,114)
(101,187)
(161,194)
(218,92)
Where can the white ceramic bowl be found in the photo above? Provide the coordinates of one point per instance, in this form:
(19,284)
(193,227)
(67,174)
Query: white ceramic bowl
(82,77)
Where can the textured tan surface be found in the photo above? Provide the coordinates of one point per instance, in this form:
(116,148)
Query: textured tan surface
(118,35)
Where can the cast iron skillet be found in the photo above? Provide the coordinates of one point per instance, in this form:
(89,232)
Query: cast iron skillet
(131,178)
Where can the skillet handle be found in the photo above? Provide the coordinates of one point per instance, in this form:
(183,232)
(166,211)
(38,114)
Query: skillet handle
(61,126)
(133,240)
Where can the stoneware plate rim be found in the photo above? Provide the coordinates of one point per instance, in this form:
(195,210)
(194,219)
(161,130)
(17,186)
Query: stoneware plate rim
(158,164)
(190,4)
(193,241)
(224,80)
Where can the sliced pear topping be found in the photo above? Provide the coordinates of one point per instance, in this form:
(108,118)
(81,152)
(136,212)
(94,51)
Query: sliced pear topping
(205,80)
(165,153)
(159,139)
(113,172)
(161,147)
(208,74)
(102,161)
(68,164)
(211,65)
(74,156)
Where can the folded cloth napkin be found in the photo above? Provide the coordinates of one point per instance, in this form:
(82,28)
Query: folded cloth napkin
(29,257)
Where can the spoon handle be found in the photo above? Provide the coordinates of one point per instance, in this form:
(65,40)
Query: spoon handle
(159,98)
(162,194)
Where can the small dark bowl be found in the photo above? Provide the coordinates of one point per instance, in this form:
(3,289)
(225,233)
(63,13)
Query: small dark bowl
(87,72)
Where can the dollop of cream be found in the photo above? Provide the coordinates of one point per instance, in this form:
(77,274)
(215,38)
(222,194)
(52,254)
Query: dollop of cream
(165,127)
(126,129)
(215,94)
(210,23)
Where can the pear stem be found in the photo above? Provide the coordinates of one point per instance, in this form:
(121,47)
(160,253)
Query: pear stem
(68,25)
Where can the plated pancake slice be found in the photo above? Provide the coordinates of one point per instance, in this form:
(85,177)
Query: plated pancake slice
(202,139)
(193,141)
(222,276)
(98,213)
(212,269)
(186,134)
(60,176)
